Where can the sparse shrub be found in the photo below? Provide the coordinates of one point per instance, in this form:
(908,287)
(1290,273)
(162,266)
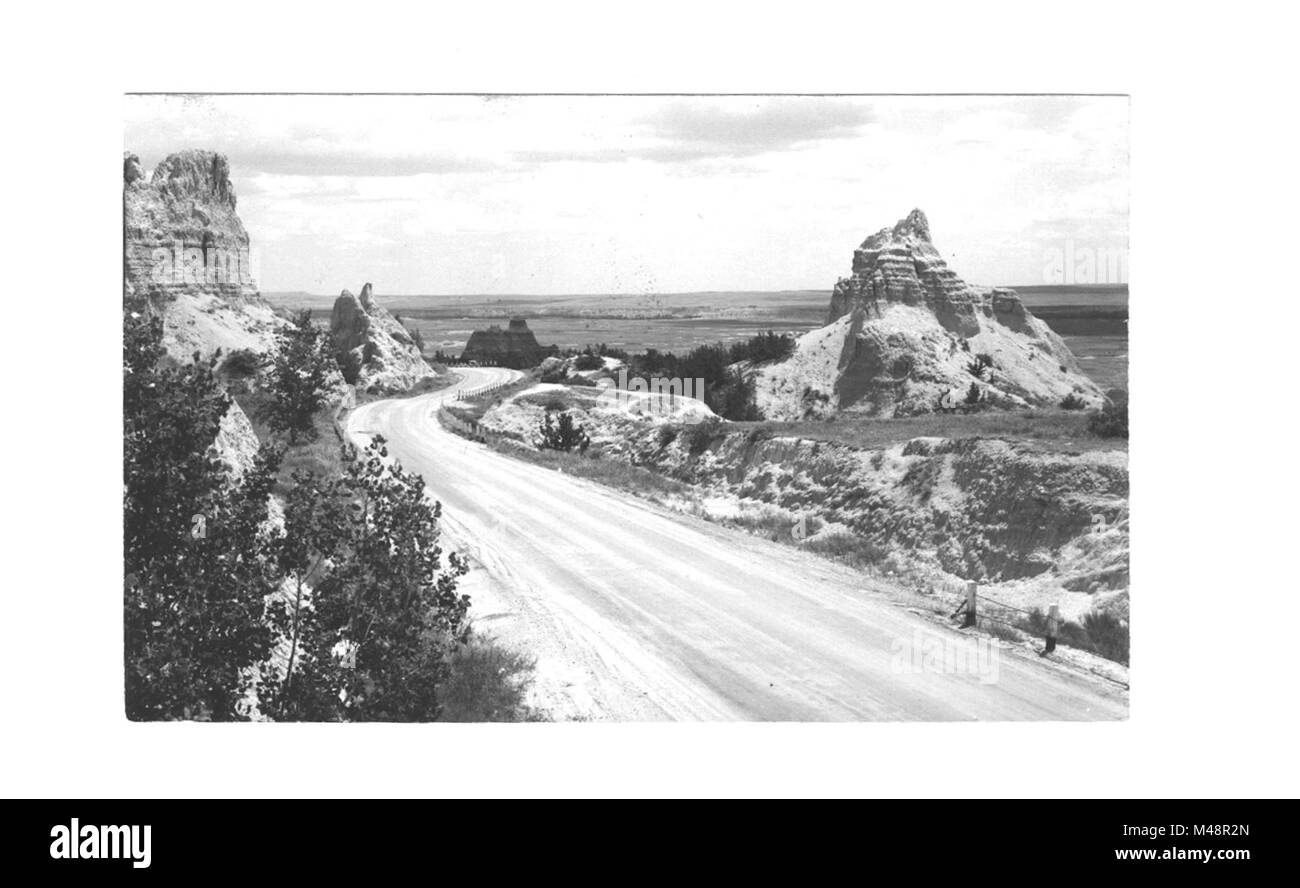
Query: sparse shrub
(700,435)
(810,397)
(1035,622)
(1000,630)
(417,338)
(667,434)
(1111,421)
(588,361)
(973,395)
(982,363)
(1101,633)
(553,404)
(770,524)
(563,434)
(848,547)
(486,682)
(1107,634)
(1073,402)
(241,362)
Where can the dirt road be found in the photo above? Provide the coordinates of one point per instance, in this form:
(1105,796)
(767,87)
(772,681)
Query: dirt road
(636,613)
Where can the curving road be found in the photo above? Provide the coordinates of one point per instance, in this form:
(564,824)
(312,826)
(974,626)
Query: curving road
(633,612)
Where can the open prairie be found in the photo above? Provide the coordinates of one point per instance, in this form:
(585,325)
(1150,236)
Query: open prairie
(1093,319)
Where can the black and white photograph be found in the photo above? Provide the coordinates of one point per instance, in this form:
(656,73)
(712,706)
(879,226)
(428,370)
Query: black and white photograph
(588,408)
(685,401)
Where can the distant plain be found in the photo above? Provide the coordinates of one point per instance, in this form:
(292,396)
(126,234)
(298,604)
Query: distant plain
(1093,320)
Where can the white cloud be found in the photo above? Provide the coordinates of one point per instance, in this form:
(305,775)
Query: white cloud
(626,194)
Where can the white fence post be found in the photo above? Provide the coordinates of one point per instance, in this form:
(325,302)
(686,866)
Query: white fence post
(1053,627)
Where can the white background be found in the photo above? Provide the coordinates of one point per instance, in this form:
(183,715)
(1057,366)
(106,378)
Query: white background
(1214,344)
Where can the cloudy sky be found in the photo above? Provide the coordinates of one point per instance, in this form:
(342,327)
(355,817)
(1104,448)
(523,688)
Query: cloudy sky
(472,195)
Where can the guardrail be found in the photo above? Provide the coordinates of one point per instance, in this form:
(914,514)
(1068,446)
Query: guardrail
(971,614)
(471,394)
(475,431)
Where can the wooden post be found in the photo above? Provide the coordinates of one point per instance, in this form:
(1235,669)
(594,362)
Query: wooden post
(970,605)
(1053,627)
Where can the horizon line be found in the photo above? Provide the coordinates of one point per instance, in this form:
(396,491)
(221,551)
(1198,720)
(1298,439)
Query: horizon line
(388,295)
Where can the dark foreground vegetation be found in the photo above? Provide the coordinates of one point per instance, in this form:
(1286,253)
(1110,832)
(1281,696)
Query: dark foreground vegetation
(345,608)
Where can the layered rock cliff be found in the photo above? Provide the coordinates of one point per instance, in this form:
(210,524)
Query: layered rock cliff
(187,254)
(515,347)
(906,335)
(375,351)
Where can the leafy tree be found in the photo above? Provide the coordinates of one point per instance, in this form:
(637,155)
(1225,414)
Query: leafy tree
(298,379)
(195,552)
(588,361)
(371,643)
(768,346)
(556,374)
(734,398)
(563,434)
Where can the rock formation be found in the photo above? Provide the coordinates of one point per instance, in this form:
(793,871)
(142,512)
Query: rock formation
(906,335)
(515,347)
(375,350)
(236,443)
(185,251)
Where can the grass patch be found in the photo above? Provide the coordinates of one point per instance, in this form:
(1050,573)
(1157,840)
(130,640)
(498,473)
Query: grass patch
(1001,630)
(559,401)
(610,472)
(776,526)
(1046,430)
(321,456)
(853,550)
(488,683)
